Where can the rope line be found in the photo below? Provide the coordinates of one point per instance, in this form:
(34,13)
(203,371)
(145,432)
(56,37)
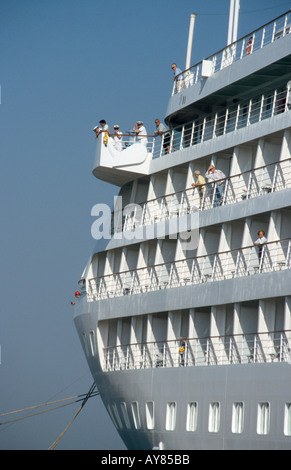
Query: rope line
(44,404)
(47,404)
(89,394)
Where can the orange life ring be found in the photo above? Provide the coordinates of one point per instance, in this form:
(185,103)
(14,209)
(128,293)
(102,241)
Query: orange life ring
(249,46)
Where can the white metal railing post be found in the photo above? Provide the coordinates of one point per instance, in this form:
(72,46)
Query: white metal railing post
(261,108)
(225,120)
(192,134)
(274,103)
(172,140)
(214,126)
(181,146)
(263,38)
(203,129)
(237,116)
(273,32)
(249,112)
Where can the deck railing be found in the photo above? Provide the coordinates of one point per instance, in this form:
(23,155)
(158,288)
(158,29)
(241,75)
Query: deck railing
(247,348)
(245,46)
(212,126)
(251,260)
(237,188)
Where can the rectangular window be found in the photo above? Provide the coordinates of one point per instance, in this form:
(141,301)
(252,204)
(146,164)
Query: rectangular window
(237,418)
(171,416)
(263,418)
(117,416)
(192,413)
(92,343)
(125,414)
(214,417)
(150,419)
(112,416)
(135,414)
(287,419)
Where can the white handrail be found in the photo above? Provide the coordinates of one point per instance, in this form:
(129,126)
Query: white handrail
(270,178)
(264,347)
(273,256)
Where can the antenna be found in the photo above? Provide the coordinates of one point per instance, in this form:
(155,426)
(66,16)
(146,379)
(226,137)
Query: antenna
(190,40)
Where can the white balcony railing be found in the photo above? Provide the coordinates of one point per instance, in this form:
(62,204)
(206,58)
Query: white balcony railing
(212,126)
(219,350)
(245,46)
(237,188)
(251,260)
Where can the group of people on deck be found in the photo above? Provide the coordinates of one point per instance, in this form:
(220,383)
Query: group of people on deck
(139,130)
(214,176)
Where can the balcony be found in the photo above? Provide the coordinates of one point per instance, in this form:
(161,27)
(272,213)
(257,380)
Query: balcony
(236,189)
(135,159)
(236,51)
(248,261)
(251,348)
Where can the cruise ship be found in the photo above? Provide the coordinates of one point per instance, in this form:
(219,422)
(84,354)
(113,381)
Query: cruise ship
(184,308)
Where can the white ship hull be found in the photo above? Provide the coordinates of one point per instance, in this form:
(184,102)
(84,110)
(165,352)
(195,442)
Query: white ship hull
(180,268)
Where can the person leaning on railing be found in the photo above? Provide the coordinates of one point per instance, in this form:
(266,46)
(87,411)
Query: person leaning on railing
(104,128)
(217,177)
(141,133)
(178,77)
(200,184)
(161,130)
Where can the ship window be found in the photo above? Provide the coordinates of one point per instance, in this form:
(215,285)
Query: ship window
(150,419)
(112,416)
(263,418)
(116,415)
(237,418)
(171,416)
(135,414)
(85,344)
(287,419)
(214,417)
(192,413)
(125,414)
(92,343)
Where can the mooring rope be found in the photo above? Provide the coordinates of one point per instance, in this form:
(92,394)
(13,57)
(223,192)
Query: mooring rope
(89,394)
(44,404)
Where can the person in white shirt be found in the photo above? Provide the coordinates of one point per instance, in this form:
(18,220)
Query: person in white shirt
(260,242)
(117,138)
(214,175)
(141,133)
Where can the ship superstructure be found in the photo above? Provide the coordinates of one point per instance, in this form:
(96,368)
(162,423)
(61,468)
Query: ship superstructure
(184,319)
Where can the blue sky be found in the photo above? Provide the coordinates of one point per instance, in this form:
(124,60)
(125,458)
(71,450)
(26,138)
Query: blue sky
(64,65)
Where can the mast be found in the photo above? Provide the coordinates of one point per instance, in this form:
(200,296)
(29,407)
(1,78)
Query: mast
(233,21)
(190,40)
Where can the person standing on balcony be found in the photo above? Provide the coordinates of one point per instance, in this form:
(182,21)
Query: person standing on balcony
(216,176)
(200,184)
(260,242)
(178,77)
(117,138)
(141,133)
(162,131)
(182,348)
